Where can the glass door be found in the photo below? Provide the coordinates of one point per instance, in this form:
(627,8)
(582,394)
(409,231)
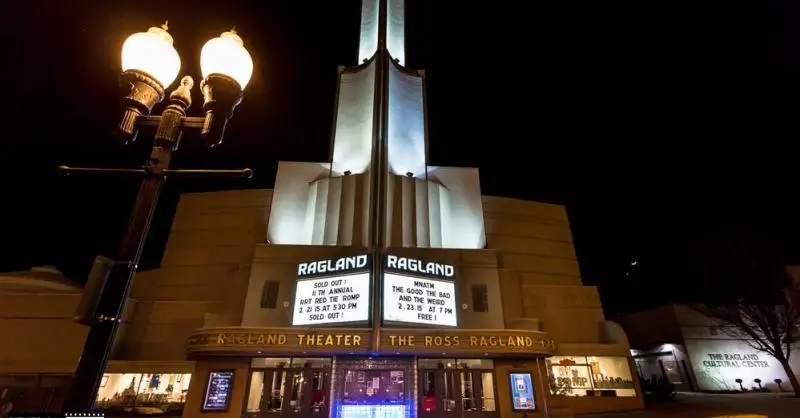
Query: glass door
(298,387)
(266,394)
(456,388)
(308,393)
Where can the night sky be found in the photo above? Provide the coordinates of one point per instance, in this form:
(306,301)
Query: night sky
(666,127)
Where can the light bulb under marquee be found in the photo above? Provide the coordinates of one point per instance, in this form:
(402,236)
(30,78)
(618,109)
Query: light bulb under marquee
(152,53)
(227,55)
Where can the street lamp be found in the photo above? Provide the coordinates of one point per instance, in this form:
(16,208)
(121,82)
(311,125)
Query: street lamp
(150,64)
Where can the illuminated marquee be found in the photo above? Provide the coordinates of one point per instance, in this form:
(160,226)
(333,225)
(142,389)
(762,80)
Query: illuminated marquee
(332,291)
(425,296)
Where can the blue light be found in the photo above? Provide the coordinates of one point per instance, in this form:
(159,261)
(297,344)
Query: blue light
(377,410)
(373,411)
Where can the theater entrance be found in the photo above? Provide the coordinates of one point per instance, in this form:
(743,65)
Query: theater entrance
(378,387)
(456,388)
(289,387)
(373,387)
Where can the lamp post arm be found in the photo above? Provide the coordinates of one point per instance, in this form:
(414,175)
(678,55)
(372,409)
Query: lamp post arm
(141,172)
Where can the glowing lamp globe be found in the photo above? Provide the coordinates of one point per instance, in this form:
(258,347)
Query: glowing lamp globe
(226,55)
(152,53)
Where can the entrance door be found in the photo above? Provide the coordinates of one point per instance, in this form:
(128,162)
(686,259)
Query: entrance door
(373,388)
(438,394)
(297,387)
(308,393)
(453,388)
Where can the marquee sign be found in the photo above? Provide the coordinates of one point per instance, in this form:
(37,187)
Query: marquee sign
(419,292)
(333,291)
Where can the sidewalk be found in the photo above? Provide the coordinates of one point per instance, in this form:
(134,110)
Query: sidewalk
(701,405)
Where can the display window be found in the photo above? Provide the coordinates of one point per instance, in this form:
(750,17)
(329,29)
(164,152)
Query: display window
(590,376)
(162,391)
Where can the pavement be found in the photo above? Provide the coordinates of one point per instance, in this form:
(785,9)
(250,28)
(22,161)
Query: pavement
(702,405)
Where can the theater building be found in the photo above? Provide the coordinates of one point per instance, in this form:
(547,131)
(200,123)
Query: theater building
(372,284)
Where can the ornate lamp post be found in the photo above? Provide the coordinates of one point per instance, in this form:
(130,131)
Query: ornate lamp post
(150,64)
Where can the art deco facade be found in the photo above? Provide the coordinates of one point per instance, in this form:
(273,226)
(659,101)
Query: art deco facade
(464,304)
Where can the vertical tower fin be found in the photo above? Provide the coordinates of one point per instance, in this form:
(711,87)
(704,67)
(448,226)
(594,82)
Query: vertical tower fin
(379,33)
(370,23)
(395,30)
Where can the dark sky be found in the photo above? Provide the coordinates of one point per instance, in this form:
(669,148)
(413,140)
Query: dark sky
(662,125)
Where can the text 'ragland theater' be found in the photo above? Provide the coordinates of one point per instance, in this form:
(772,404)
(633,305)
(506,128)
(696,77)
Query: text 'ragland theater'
(347,340)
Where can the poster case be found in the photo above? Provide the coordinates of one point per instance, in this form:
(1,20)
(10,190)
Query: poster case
(522,394)
(219,389)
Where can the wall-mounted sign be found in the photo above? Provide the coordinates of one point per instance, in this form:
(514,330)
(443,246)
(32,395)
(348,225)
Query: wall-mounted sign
(717,363)
(483,342)
(418,267)
(332,300)
(334,266)
(298,340)
(218,391)
(521,391)
(419,300)
(284,340)
(734,360)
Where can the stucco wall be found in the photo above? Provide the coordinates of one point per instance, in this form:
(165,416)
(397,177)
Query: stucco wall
(39,334)
(203,275)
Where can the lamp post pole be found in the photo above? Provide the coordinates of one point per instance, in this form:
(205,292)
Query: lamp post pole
(222,94)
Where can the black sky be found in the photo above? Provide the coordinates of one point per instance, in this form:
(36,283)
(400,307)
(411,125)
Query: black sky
(662,125)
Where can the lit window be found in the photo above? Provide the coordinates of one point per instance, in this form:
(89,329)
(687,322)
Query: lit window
(591,376)
(166,390)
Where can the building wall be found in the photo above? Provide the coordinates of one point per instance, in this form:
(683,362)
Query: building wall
(39,334)
(539,271)
(534,238)
(530,270)
(653,327)
(203,276)
(217,262)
